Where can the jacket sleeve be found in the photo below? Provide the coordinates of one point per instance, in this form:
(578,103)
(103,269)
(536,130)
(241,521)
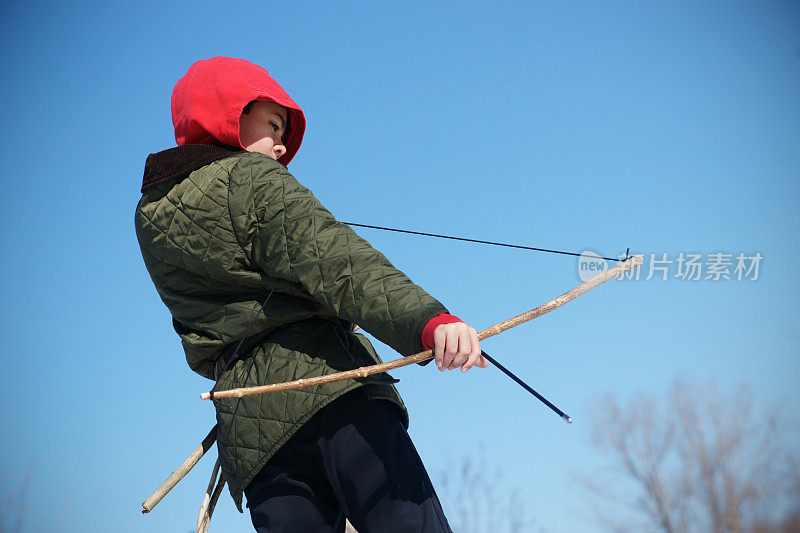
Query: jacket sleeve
(288,234)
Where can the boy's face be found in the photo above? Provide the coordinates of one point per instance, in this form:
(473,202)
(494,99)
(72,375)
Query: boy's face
(261,130)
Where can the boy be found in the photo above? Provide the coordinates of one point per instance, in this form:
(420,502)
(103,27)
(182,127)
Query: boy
(222,224)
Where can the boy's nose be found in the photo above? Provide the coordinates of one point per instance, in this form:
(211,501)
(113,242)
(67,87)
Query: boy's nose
(278,150)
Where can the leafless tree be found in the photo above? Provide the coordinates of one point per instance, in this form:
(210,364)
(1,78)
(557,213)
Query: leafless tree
(475,499)
(12,502)
(693,462)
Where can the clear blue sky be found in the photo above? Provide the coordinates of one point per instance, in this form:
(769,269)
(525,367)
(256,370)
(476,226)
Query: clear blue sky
(664,127)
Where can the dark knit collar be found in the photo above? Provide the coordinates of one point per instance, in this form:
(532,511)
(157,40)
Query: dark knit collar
(179,162)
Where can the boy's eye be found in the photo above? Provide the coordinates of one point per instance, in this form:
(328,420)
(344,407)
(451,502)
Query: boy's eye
(274,126)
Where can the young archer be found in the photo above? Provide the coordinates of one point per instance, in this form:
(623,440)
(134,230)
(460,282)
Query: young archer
(221,224)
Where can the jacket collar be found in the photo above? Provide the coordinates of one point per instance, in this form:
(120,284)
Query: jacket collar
(179,162)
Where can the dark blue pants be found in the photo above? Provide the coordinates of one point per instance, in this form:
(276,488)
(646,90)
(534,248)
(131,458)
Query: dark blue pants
(352,459)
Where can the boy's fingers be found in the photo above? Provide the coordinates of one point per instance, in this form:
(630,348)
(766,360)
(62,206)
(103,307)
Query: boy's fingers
(458,344)
(450,348)
(475,353)
(439,337)
(464,347)
(482,361)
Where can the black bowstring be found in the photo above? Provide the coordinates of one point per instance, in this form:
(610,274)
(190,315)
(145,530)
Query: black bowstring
(524,385)
(503,369)
(485,242)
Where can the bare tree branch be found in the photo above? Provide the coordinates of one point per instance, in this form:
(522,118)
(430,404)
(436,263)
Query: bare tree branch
(694,461)
(475,501)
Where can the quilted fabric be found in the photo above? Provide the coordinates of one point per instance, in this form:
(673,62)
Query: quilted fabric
(215,242)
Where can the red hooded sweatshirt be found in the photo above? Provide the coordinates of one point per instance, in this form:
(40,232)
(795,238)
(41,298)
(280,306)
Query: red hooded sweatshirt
(208,101)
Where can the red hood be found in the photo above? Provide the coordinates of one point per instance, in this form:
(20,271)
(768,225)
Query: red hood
(208,101)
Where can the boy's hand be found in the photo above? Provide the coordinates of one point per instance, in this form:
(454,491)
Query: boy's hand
(455,345)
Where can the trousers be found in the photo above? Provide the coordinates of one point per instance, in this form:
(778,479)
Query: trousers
(353,459)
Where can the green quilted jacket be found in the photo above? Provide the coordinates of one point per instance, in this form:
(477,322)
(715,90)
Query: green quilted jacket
(218,228)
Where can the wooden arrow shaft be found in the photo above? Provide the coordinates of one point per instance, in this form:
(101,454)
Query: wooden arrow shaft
(428,354)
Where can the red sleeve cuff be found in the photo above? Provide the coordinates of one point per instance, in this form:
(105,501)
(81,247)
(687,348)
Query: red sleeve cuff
(430,327)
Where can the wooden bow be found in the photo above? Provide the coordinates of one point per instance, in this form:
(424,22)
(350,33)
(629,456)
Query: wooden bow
(364,371)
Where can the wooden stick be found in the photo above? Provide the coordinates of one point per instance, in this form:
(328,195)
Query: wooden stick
(364,371)
(181,471)
(214,497)
(210,500)
(204,518)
